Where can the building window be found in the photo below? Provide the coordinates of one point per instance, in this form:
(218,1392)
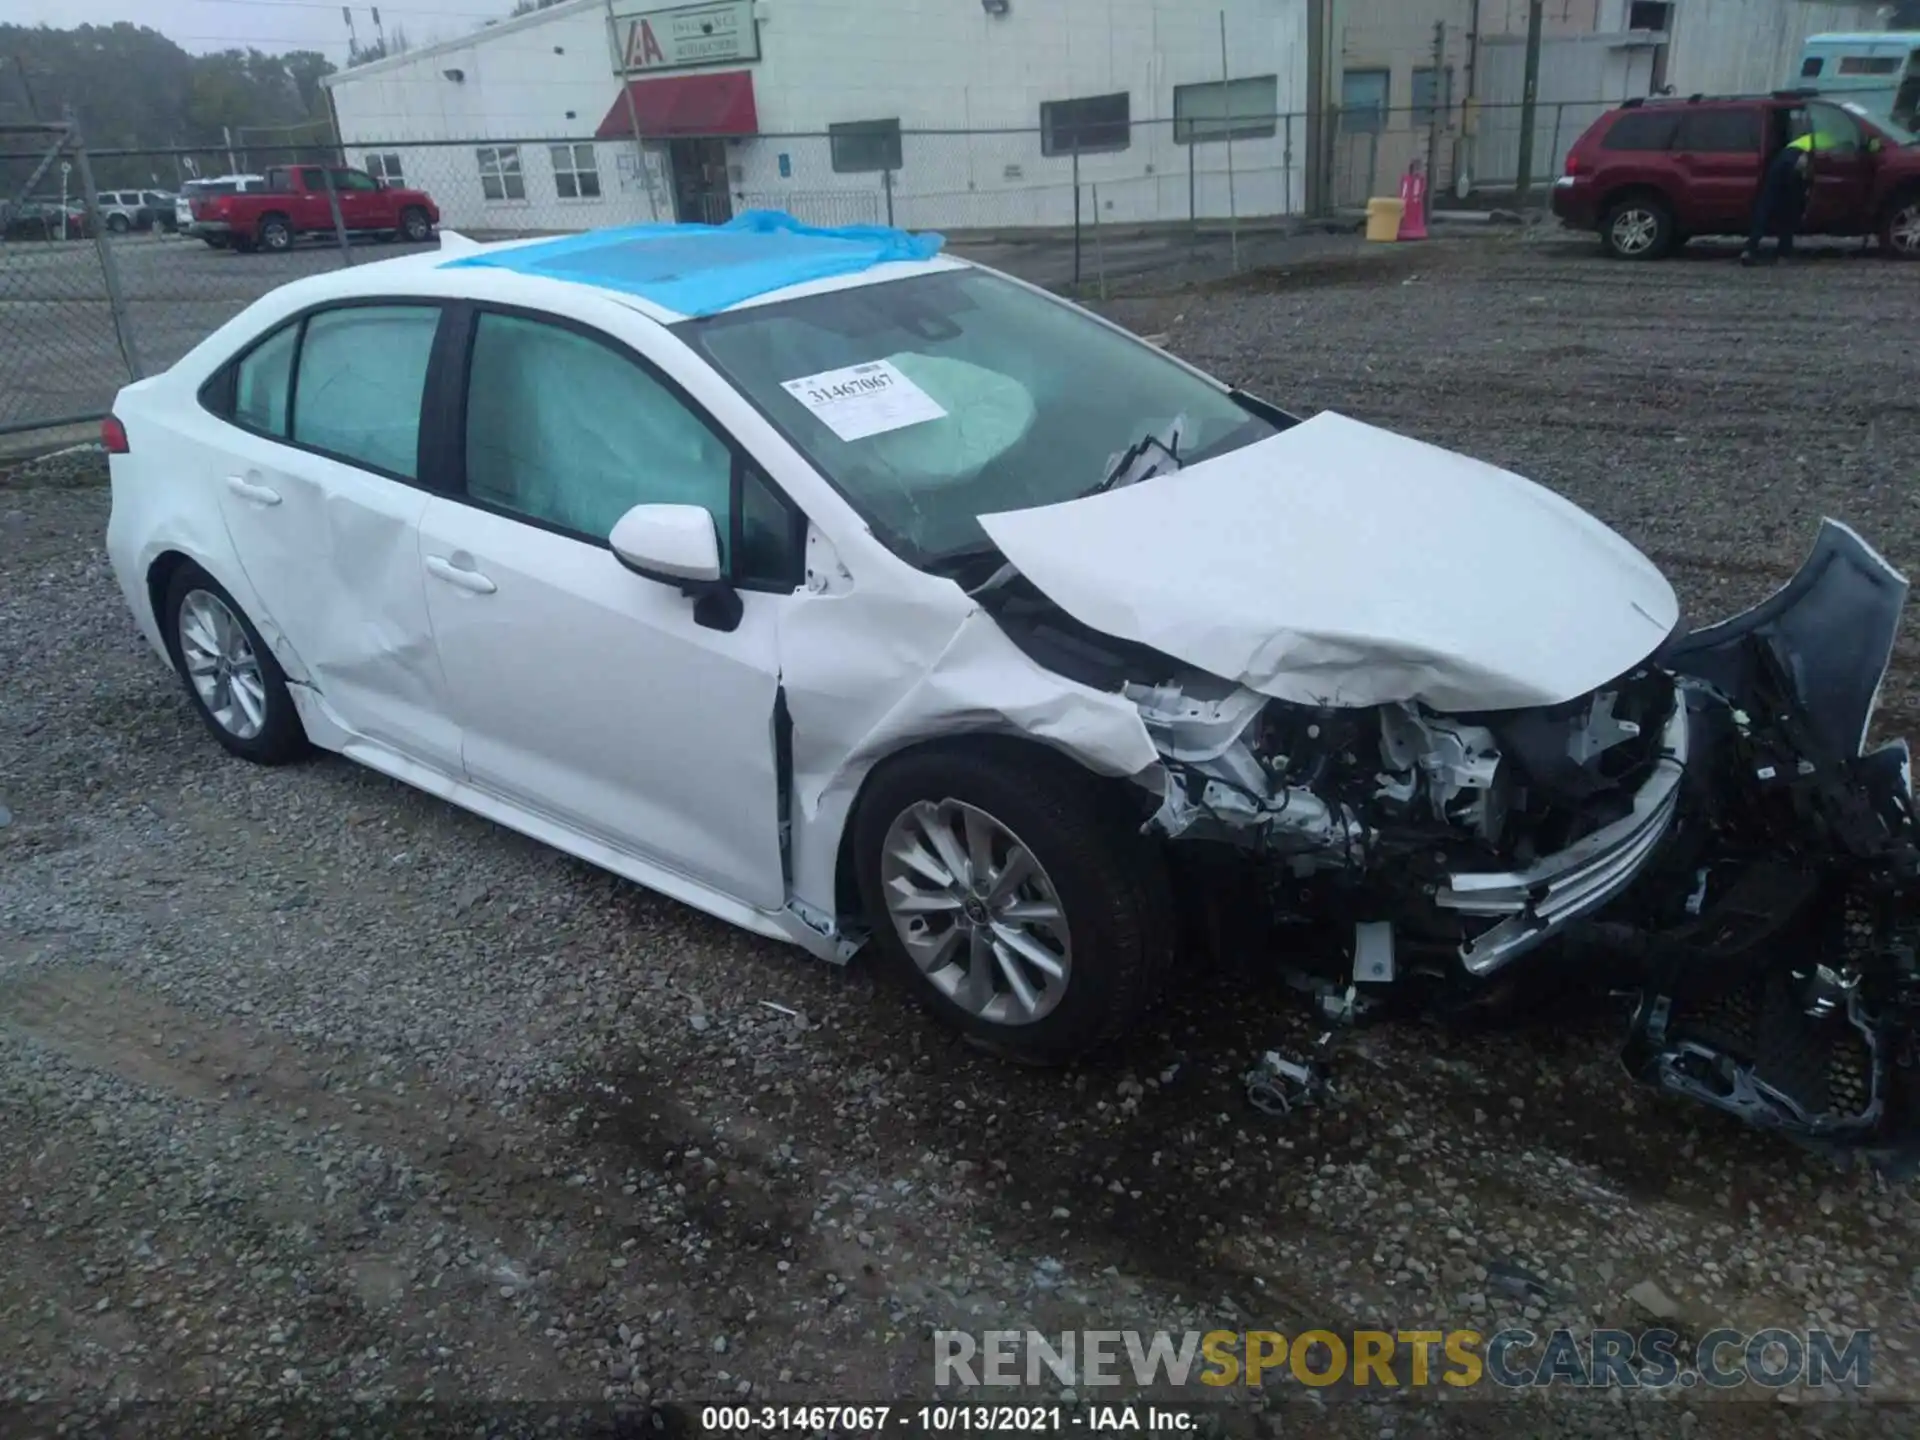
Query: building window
(1432,95)
(575,176)
(1363,102)
(1649,15)
(863,145)
(386,167)
(1869,64)
(1225,110)
(500,177)
(1100,122)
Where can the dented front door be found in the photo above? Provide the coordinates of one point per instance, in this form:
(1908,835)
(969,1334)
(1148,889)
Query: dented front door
(333,552)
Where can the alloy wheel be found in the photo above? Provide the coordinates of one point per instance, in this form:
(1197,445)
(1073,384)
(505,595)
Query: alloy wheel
(1903,231)
(221,665)
(1634,230)
(976,912)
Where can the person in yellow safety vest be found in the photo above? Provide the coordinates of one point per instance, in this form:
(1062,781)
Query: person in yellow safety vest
(1783,192)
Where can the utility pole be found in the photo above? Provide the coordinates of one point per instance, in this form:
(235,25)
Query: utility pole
(1529,102)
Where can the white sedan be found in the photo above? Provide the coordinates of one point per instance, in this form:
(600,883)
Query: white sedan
(846,597)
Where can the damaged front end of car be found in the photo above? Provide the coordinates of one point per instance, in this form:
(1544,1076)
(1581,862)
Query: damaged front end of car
(1709,827)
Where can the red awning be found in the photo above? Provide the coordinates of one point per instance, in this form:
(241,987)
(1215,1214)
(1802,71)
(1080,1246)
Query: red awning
(710,104)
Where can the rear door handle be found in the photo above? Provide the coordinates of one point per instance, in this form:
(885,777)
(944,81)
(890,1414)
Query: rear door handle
(247,490)
(470,580)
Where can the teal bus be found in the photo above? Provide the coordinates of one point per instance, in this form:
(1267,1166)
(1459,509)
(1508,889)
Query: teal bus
(1879,70)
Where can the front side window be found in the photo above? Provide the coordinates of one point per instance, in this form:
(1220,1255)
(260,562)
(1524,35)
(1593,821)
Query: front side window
(1811,67)
(353,180)
(262,382)
(1225,109)
(575,176)
(570,432)
(931,401)
(859,146)
(1835,131)
(362,378)
(500,177)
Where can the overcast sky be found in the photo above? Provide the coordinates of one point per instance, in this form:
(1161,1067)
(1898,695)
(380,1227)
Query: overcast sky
(273,25)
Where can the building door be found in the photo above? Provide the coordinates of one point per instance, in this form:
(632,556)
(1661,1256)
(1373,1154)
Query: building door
(700,187)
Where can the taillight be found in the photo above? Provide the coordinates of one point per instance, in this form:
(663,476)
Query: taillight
(113,435)
(1573,163)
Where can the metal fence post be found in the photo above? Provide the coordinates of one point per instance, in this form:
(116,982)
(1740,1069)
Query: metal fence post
(339,224)
(110,272)
(1553,155)
(1233,207)
(1286,164)
(1076,209)
(1099,252)
(1373,165)
(886,183)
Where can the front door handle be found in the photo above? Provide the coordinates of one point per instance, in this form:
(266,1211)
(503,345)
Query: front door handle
(247,490)
(470,580)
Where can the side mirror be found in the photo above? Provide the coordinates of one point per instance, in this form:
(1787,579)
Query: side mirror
(678,545)
(1875,145)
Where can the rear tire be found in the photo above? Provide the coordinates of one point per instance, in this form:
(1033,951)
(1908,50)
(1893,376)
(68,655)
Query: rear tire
(275,234)
(1900,228)
(981,951)
(229,671)
(119,224)
(1639,227)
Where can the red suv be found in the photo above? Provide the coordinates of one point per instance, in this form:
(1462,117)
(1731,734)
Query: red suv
(1655,173)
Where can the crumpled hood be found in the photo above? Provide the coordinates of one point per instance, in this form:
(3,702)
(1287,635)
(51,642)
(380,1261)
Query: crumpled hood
(1340,564)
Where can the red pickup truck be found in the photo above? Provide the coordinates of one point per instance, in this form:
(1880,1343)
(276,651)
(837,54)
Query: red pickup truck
(294,202)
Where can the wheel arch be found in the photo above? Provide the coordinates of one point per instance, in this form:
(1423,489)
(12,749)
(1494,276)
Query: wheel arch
(167,563)
(1008,745)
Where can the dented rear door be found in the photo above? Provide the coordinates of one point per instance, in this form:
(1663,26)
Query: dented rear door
(326,524)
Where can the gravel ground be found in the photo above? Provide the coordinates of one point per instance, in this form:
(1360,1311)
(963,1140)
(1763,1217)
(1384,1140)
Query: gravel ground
(317,1092)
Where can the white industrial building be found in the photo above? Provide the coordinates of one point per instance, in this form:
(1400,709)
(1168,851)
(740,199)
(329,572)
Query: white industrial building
(949,114)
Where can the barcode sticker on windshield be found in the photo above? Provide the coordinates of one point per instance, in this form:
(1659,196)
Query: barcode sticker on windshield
(864,400)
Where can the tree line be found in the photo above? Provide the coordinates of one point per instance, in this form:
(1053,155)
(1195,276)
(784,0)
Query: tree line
(130,87)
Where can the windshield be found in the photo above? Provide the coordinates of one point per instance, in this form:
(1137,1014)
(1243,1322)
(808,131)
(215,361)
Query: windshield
(931,401)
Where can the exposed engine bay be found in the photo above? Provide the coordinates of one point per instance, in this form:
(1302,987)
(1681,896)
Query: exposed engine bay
(1706,832)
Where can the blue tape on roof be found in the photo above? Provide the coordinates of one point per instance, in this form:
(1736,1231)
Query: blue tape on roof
(700,269)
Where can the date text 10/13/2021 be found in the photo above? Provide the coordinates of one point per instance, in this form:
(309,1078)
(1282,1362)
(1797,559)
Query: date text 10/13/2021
(861,1420)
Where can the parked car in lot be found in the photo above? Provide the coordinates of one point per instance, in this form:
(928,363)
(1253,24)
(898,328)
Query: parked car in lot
(1653,174)
(125,210)
(860,595)
(186,216)
(42,219)
(299,200)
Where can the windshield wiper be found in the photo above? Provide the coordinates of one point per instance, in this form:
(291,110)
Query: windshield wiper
(1133,453)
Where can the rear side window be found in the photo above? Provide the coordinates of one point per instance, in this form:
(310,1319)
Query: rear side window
(262,382)
(1720,132)
(1641,130)
(362,378)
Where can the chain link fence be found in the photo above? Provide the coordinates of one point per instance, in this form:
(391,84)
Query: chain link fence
(103,276)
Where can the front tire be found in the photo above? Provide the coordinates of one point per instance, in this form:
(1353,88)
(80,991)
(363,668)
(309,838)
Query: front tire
(275,234)
(1014,897)
(1900,228)
(229,671)
(119,224)
(414,225)
(1637,228)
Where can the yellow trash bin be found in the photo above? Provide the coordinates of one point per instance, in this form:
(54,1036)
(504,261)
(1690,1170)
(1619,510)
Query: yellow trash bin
(1383,218)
